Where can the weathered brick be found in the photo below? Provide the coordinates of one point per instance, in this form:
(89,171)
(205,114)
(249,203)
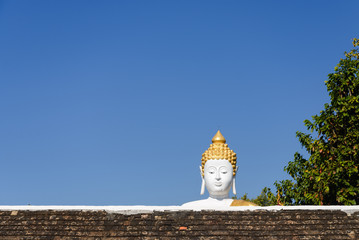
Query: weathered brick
(100,225)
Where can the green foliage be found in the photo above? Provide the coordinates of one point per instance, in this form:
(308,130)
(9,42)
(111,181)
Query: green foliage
(245,197)
(266,198)
(330,175)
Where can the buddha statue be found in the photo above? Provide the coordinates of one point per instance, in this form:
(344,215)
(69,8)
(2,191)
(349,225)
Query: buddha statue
(218,171)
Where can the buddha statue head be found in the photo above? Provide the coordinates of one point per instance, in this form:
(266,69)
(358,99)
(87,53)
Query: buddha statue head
(218,168)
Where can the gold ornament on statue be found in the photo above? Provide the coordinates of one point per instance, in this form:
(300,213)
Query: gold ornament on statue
(219,150)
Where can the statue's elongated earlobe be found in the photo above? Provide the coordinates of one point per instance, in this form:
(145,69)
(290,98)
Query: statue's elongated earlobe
(203,186)
(234,183)
(203,183)
(234,186)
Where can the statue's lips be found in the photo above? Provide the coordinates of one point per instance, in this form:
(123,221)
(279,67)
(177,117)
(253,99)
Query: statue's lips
(218,184)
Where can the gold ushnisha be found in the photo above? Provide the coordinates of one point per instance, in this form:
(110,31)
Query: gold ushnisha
(219,150)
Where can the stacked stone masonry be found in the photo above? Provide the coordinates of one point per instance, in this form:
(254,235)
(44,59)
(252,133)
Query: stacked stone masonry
(101,225)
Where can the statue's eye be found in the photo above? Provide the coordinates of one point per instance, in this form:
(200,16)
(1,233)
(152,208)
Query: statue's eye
(211,170)
(223,170)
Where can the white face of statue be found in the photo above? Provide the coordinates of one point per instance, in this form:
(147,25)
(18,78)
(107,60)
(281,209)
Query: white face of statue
(218,176)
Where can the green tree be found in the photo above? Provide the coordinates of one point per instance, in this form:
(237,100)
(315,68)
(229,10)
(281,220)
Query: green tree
(264,199)
(330,175)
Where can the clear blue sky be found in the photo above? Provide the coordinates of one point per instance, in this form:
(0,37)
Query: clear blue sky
(114,102)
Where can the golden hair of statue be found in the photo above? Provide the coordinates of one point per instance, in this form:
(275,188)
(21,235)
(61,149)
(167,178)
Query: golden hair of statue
(219,150)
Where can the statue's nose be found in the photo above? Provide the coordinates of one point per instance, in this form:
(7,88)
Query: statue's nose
(218,176)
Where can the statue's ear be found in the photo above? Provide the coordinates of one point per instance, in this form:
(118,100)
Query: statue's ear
(203,183)
(234,186)
(234,182)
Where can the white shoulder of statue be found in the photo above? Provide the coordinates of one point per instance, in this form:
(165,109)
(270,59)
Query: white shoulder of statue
(218,171)
(211,203)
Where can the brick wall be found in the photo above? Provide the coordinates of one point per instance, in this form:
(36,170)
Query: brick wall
(255,224)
